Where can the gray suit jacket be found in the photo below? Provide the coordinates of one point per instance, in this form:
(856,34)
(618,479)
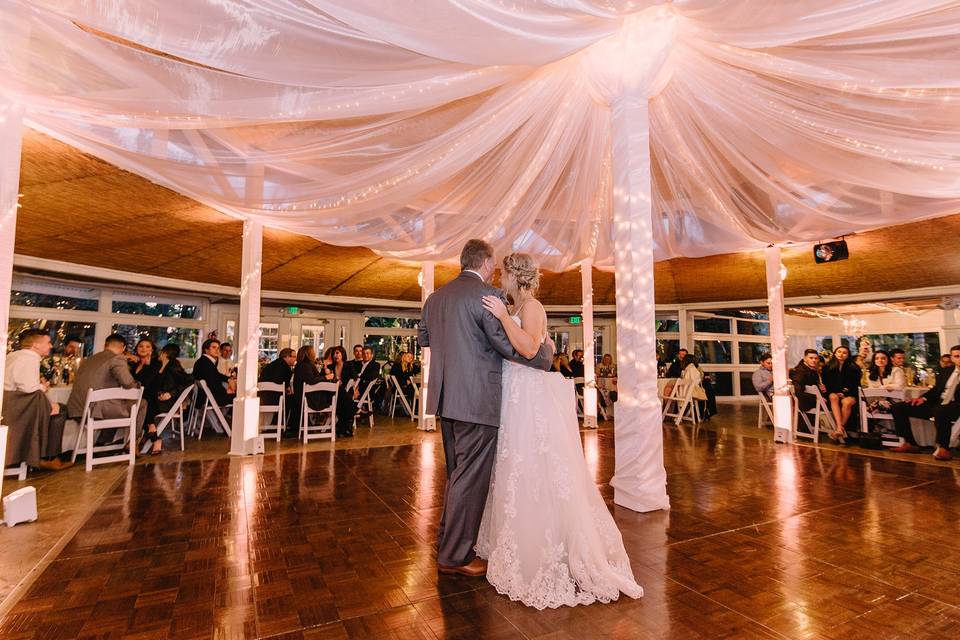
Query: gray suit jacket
(102,370)
(467,348)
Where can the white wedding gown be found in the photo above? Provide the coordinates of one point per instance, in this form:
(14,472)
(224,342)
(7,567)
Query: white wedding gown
(546,533)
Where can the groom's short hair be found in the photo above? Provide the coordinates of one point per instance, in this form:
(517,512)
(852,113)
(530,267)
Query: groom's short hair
(475,253)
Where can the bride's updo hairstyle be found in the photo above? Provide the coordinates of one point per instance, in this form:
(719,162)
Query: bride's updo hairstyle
(524,270)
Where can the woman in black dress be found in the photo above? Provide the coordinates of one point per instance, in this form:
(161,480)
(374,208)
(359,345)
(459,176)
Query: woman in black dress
(143,362)
(405,369)
(306,372)
(167,385)
(841,377)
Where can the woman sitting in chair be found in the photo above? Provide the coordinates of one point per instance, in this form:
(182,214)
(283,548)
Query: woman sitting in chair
(167,385)
(404,371)
(306,372)
(841,377)
(689,375)
(883,375)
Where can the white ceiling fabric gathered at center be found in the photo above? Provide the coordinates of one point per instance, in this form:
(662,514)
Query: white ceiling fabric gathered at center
(410,126)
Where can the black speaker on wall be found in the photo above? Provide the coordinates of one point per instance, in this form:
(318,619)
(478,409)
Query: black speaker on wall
(831,251)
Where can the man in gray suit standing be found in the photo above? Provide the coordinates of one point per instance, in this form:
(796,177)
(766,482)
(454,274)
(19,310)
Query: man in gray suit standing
(467,347)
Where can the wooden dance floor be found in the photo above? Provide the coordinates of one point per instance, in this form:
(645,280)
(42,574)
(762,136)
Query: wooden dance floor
(762,541)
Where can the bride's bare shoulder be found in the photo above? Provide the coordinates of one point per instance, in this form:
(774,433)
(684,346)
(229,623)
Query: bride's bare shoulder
(532,311)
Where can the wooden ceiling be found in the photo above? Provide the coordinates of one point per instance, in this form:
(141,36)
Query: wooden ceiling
(82,210)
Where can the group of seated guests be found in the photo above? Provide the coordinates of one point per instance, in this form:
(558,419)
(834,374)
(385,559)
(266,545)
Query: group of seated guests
(37,423)
(352,377)
(840,378)
(605,373)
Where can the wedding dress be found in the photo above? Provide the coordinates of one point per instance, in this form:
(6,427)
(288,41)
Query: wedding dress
(546,533)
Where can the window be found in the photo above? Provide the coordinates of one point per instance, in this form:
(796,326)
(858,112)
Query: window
(269,342)
(561,339)
(722,382)
(58,329)
(753,328)
(157,309)
(597,346)
(713,351)
(703,324)
(187,339)
(824,345)
(389,347)
(667,324)
(387,322)
(922,349)
(667,350)
(746,383)
(312,335)
(57,301)
(231,331)
(750,352)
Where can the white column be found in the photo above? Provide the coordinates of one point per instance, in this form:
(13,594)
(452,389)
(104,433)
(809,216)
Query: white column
(782,418)
(640,481)
(11,135)
(589,375)
(245,438)
(427,283)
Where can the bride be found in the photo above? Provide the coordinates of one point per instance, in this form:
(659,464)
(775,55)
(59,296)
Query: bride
(546,532)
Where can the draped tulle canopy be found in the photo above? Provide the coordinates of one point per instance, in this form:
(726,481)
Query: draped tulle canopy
(411,125)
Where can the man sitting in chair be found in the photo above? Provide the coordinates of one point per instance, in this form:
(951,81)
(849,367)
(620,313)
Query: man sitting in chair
(222,386)
(807,373)
(941,402)
(105,370)
(763,377)
(369,372)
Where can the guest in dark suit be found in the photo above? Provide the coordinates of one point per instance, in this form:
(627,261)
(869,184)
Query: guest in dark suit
(842,377)
(576,363)
(941,402)
(170,381)
(806,374)
(562,366)
(676,367)
(355,365)
(205,368)
(279,371)
(367,374)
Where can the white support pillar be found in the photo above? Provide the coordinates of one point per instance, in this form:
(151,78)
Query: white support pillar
(589,374)
(782,405)
(640,480)
(427,283)
(11,136)
(245,438)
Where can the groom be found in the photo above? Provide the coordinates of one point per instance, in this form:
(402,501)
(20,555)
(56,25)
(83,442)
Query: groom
(467,346)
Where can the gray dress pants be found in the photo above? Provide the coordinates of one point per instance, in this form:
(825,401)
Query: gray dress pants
(470,450)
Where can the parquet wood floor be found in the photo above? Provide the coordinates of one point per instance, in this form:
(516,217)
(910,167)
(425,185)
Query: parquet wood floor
(762,541)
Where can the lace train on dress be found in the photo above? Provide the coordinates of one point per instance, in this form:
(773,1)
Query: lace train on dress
(546,533)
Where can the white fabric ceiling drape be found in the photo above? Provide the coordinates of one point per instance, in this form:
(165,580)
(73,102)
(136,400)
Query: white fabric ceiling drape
(409,126)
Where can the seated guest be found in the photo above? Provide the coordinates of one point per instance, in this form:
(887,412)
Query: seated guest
(941,402)
(689,374)
(36,423)
(222,386)
(279,371)
(676,367)
(107,369)
(225,363)
(898,359)
(335,360)
(404,371)
(143,363)
(561,365)
(763,377)
(606,377)
(576,363)
(945,362)
(842,380)
(368,374)
(356,364)
(305,373)
(883,375)
(72,347)
(164,389)
(807,374)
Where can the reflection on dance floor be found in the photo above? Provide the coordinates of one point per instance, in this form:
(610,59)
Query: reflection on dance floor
(762,541)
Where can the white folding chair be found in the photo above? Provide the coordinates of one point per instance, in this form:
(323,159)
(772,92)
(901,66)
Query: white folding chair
(578,391)
(327,428)
(20,471)
(175,415)
(765,411)
(398,395)
(90,425)
(865,396)
(210,407)
(280,409)
(681,396)
(819,411)
(365,404)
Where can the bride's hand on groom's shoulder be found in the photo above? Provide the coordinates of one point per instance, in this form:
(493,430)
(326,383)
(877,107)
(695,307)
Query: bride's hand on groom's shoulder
(495,305)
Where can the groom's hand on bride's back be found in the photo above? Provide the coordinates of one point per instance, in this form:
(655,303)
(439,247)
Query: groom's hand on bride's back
(550,343)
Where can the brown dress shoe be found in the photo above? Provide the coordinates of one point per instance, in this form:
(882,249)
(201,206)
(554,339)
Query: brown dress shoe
(942,454)
(55,465)
(477,568)
(906,447)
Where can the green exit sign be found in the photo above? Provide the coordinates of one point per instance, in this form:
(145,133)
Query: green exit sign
(576,319)
(293,311)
